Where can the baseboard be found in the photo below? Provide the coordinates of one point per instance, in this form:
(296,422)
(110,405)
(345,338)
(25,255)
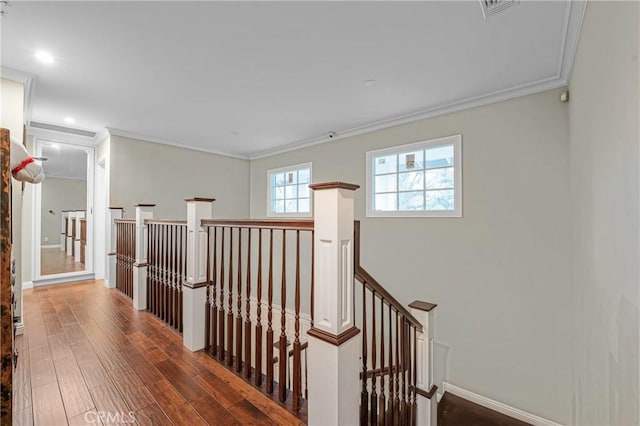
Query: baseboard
(498,406)
(19,328)
(51,246)
(27,284)
(64,278)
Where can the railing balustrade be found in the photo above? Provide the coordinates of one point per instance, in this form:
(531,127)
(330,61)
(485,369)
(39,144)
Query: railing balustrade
(166,270)
(125,254)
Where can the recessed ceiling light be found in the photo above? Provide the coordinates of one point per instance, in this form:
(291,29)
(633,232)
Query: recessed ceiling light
(69,120)
(45,57)
(370,83)
(54,145)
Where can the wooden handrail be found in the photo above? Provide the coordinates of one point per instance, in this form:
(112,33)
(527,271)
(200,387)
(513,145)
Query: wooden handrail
(165,222)
(263,224)
(372,284)
(124,220)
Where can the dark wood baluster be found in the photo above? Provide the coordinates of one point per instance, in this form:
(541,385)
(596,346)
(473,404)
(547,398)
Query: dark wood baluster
(214,295)
(389,419)
(283,359)
(364,395)
(239,324)
(396,375)
(403,371)
(373,418)
(247,318)
(221,339)
(269,345)
(165,281)
(156,280)
(183,271)
(208,297)
(172,274)
(297,365)
(258,336)
(160,269)
(230,305)
(414,402)
(382,402)
(174,308)
(149,264)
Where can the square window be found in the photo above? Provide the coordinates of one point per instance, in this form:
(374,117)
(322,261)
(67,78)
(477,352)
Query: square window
(421,179)
(288,191)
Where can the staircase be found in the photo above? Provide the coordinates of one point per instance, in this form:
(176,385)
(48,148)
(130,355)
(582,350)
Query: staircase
(285,305)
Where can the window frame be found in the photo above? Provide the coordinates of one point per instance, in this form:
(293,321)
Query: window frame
(455,140)
(296,167)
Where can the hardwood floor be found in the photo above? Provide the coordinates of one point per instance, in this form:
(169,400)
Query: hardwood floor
(456,411)
(54,261)
(87,357)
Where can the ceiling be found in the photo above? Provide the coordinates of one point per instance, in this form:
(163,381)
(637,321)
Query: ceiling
(64,161)
(253,78)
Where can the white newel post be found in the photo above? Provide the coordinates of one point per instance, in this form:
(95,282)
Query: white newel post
(334,341)
(110,279)
(70,216)
(76,242)
(63,234)
(194,289)
(143,211)
(427,413)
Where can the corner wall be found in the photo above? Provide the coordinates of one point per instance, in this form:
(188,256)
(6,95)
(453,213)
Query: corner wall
(500,274)
(604,132)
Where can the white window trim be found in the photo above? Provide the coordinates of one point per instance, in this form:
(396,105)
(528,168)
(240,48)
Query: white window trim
(456,141)
(270,172)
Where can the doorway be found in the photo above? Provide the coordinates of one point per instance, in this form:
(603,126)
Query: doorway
(63,237)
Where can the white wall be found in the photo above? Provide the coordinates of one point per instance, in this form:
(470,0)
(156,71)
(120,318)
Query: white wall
(12,118)
(604,133)
(146,172)
(59,194)
(501,274)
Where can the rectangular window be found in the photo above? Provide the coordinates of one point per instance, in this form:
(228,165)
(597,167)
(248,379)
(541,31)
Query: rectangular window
(422,179)
(288,191)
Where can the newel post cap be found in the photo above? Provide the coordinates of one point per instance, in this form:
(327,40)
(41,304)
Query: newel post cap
(200,199)
(334,185)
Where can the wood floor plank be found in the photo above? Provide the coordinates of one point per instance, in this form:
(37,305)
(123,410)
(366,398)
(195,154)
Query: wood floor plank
(133,391)
(214,413)
(187,387)
(48,408)
(92,370)
(21,379)
(59,346)
(23,417)
(108,399)
(174,405)
(41,366)
(152,415)
(75,394)
(248,414)
(218,389)
(87,418)
(73,333)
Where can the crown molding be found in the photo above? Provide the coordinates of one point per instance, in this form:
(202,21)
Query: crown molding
(55,136)
(574,16)
(153,139)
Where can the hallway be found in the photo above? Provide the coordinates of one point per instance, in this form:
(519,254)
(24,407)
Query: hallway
(87,356)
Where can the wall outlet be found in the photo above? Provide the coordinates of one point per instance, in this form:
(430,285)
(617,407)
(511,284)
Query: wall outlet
(46,239)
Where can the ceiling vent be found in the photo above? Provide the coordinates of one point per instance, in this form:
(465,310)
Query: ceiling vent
(491,7)
(62,129)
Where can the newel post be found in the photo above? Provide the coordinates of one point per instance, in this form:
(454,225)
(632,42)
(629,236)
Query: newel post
(63,233)
(143,211)
(334,344)
(110,279)
(194,288)
(426,390)
(76,243)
